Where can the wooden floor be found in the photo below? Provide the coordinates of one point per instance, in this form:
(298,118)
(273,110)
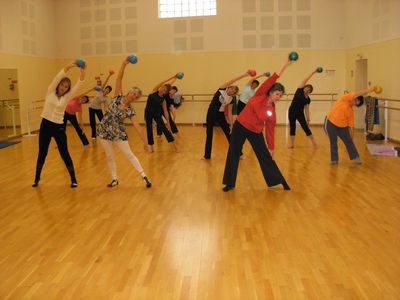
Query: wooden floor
(335,235)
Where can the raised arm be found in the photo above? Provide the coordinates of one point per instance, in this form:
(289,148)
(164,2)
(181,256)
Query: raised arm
(139,131)
(166,114)
(254,78)
(85,93)
(229,83)
(364,92)
(266,85)
(118,81)
(304,82)
(60,75)
(71,94)
(110,73)
(170,80)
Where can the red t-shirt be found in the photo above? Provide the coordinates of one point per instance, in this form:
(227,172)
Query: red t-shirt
(73,106)
(255,113)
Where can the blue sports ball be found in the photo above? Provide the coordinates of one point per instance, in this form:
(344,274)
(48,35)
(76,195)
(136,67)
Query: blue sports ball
(80,62)
(132,58)
(319,69)
(293,55)
(179,75)
(267,74)
(98,88)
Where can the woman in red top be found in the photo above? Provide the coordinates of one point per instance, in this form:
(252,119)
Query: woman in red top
(249,125)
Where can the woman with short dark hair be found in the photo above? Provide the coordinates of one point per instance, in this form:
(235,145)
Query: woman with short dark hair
(249,125)
(340,123)
(299,110)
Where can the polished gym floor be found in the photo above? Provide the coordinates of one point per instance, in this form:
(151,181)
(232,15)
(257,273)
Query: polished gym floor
(335,235)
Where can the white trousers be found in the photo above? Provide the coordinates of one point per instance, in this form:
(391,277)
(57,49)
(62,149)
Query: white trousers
(126,150)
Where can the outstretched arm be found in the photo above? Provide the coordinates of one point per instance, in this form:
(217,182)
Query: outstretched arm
(118,81)
(363,92)
(59,76)
(283,68)
(87,92)
(166,114)
(169,80)
(228,83)
(139,131)
(71,94)
(108,77)
(266,85)
(254,78)
(307,112)
(304,82)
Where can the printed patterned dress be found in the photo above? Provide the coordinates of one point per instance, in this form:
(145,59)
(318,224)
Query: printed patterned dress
(112,126)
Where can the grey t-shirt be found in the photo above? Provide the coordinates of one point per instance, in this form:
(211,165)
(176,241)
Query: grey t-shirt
(98,100)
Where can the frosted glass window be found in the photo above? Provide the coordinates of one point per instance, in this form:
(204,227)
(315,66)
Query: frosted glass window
(186,8)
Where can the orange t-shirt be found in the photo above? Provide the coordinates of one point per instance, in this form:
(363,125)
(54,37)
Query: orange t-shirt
(342,113)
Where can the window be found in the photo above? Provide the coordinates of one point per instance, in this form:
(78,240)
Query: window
(187,8)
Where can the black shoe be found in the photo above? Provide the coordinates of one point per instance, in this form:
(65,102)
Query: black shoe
(74,185)
(35,184)
(285,186)
(147,181)
(227,188)
(113,183)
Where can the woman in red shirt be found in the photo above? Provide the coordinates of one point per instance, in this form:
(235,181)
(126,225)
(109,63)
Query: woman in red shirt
(249,125)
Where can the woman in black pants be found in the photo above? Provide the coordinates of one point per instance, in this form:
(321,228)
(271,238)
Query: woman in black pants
(215,113)
(155,106)
(73,108)
(169,103)
(59,93)
(249,125)
(99,104)
(299,110)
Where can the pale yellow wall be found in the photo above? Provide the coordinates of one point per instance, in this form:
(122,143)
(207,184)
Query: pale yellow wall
(371,21)
(28,27)
(92,30)
(34,74)
(383,69)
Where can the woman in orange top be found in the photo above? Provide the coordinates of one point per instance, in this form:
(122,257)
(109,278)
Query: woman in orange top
(340,123)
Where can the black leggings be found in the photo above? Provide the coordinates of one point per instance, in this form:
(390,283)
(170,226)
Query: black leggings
(174,129)
(156,116)
(48,130)
(78,129)
(92,119)
(299,116)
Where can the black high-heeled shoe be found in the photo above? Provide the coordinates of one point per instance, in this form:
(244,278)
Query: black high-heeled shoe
(147,181)
(113,183)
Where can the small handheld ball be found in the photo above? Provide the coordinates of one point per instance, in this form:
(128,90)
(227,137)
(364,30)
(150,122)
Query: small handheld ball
(252,72)
(80,62)
(179,75)
(132,58)
(319,70)
(293,55)
(98,88)
(378,89)
(111,72)
(267,74)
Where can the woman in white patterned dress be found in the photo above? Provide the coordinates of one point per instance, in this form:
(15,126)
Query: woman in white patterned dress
(111,129)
